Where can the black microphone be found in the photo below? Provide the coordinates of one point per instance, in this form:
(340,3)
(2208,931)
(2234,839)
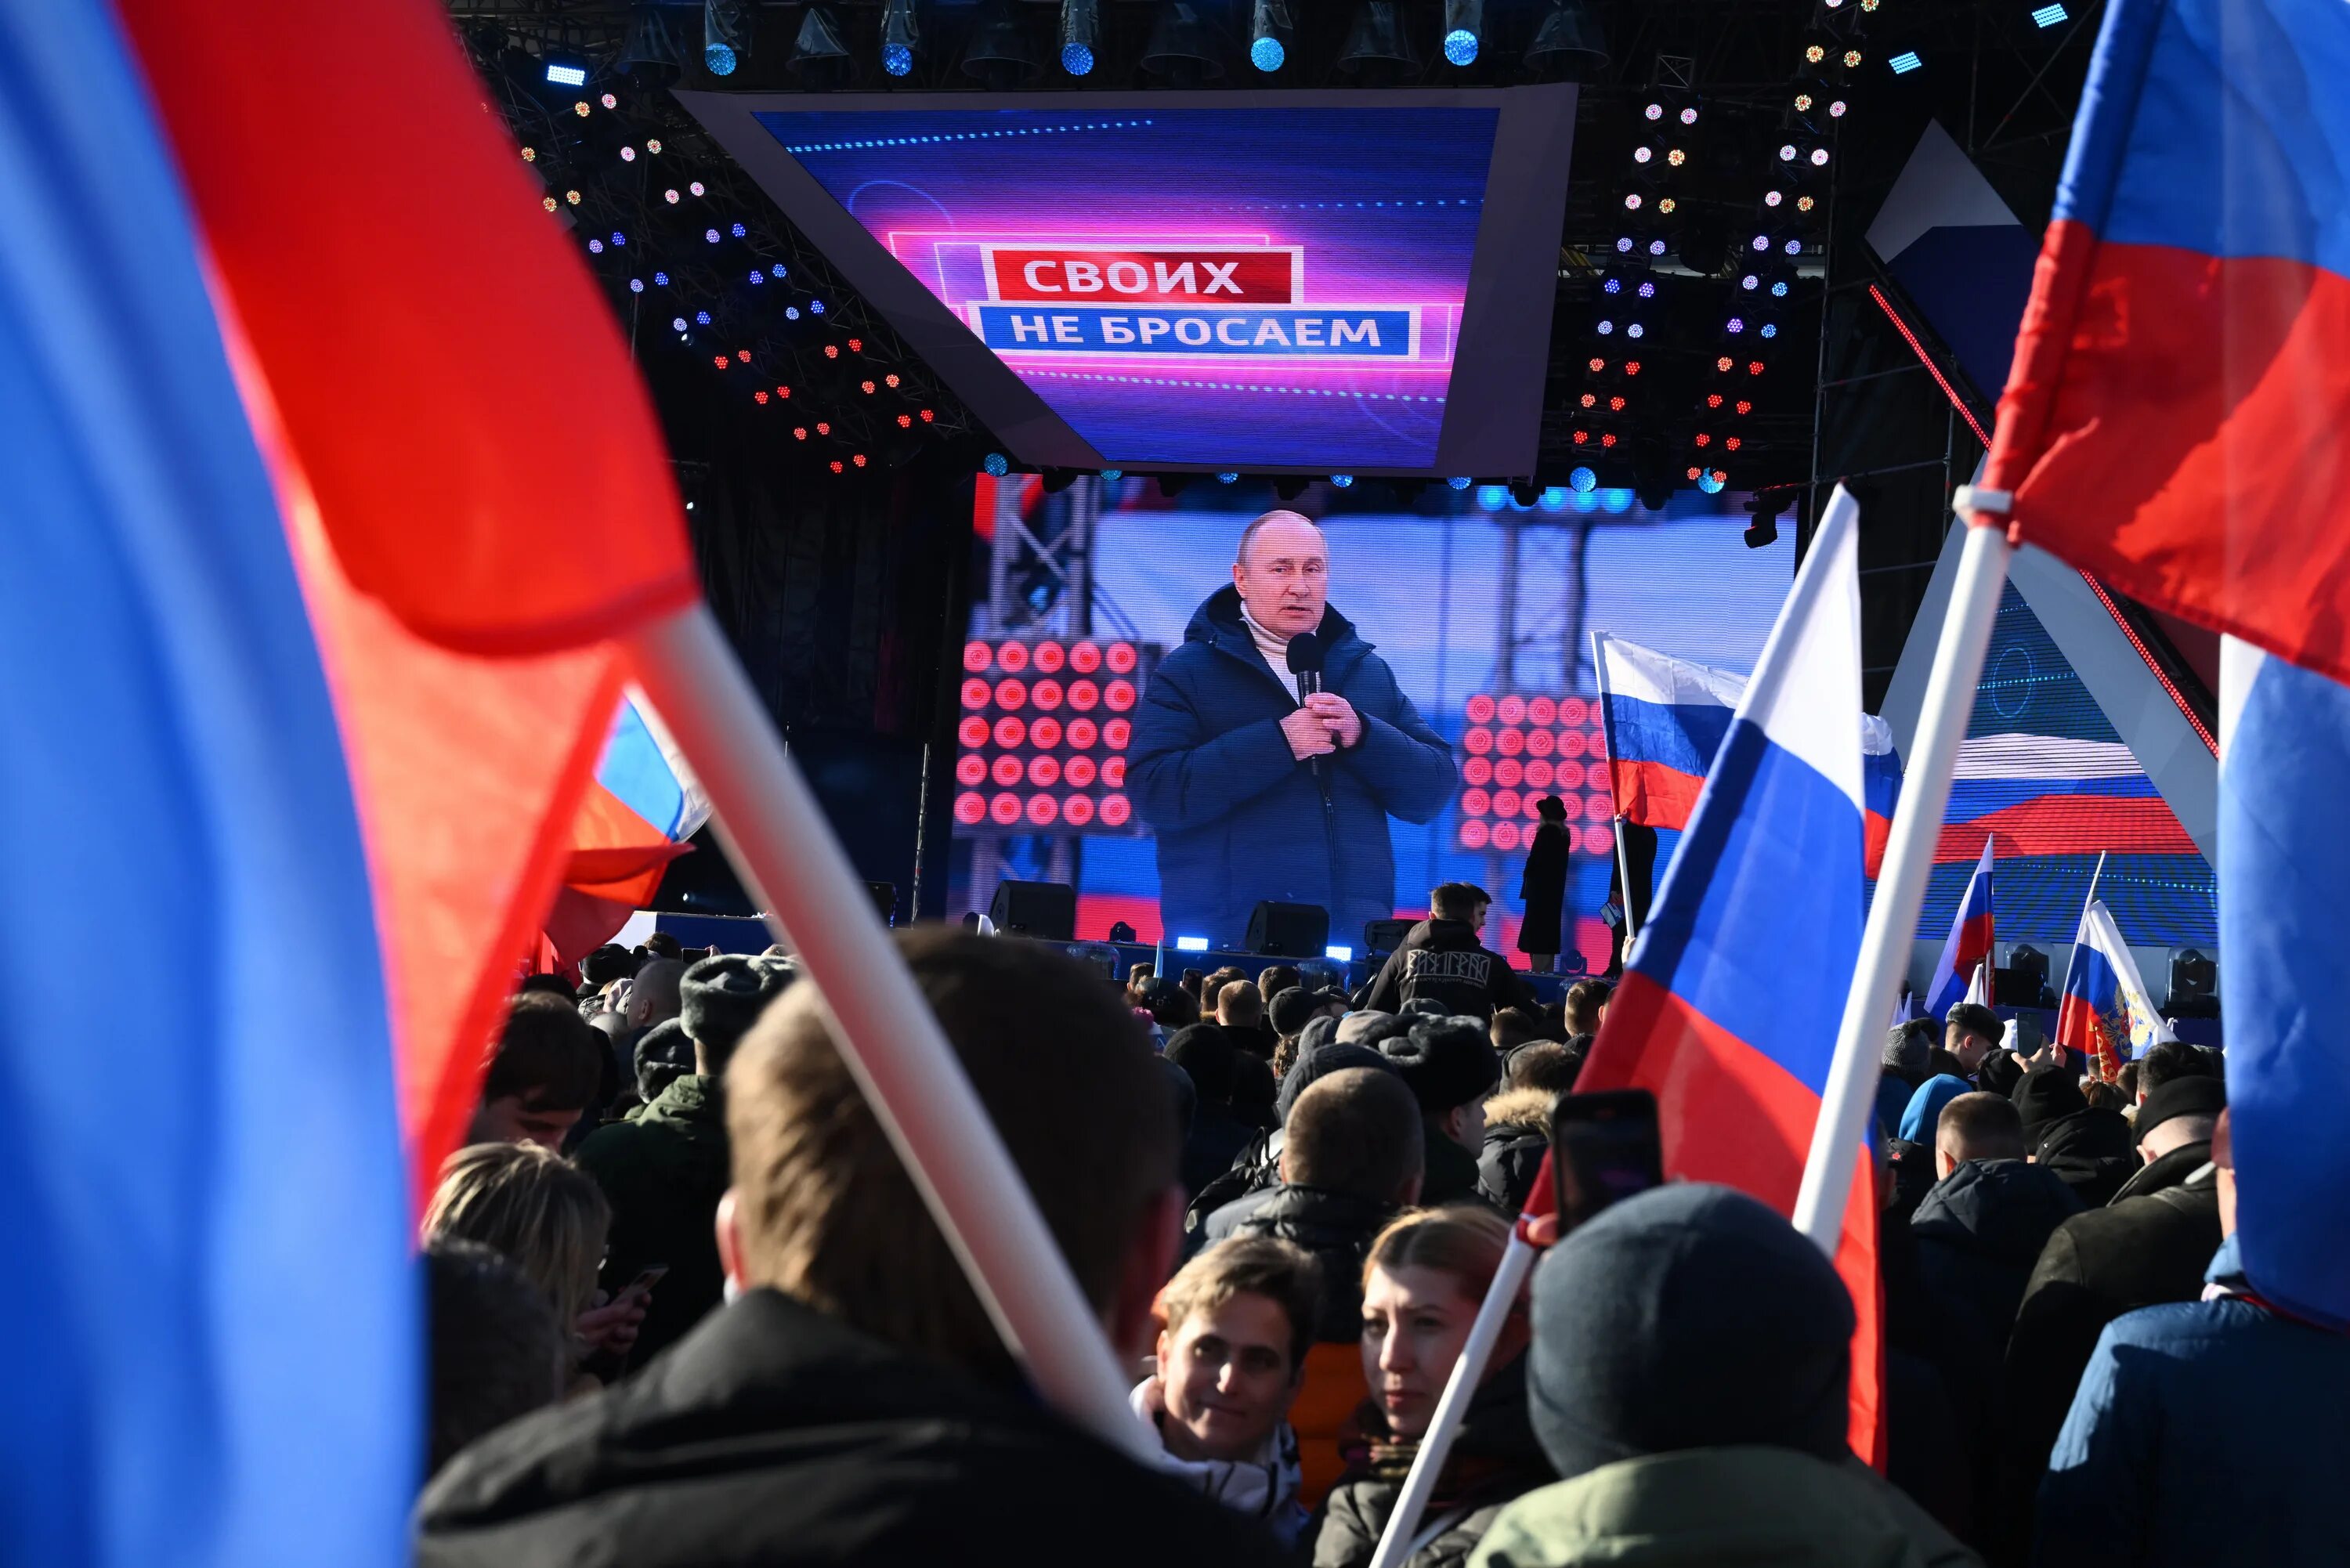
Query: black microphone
(1305,664)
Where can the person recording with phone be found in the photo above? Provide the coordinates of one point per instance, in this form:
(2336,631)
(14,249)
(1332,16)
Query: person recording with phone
(1271,748)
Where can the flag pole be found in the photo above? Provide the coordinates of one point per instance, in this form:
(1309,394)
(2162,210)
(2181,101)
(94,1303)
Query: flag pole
(2080,927)
(1608,735)
(1892,926)
(777,839)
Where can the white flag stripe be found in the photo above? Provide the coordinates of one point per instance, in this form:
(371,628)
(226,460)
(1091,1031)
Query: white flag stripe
(2044,757)
(1806,693)
(1644,675)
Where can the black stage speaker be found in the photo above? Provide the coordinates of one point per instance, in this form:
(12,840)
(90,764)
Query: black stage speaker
(2025,980)
(2194,984)
(1288,931)
(1385,936)
(1047,910)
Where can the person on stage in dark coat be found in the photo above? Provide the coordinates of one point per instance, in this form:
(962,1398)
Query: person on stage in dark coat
(1543,887)
(1254,795)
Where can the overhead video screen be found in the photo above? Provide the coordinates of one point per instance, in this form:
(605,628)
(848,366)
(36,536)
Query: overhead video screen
(1209,281)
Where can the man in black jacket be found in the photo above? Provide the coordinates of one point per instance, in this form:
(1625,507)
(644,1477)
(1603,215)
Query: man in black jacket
(1206,1052)
(1981,1230)
(1442,961)
(778,1433)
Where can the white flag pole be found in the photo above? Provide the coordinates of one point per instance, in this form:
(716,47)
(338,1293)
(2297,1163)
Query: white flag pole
(2080,927)
(1607,738)
(779,842)
(1885,943)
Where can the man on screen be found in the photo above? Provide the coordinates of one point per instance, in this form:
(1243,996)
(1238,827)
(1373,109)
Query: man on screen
(1254,794)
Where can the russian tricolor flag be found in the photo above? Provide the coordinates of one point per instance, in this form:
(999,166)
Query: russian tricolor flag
(1734,991)
(1664,719)
(2105,1013)
(317,568)
(638,812)
(1969,943)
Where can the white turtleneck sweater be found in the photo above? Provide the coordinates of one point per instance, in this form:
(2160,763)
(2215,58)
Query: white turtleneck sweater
(1272,649)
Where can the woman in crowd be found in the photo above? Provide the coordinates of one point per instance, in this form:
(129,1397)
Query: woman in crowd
(1425,1278)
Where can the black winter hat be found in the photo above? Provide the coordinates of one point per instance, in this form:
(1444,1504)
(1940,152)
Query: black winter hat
(1689,1316)
(2195,1096)
(607,963)
(1320,1062)
(664,1053)
(1206,1051)
(722,995)
(1293,1009)
(2047,1094)
(1447,1062)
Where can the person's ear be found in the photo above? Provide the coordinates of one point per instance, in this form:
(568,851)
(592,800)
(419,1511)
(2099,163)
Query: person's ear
(730,1243)
(1165,1347)
(1150,1259)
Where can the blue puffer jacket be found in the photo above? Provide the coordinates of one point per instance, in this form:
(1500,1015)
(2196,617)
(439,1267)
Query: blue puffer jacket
(1238,818)
(2205,1435)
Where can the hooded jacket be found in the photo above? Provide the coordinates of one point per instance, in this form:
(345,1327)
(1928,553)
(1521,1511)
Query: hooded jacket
(1338,1228)
(663,1170)
(1262,1487)
(1979,1233)
(2093,1151)
(1517,1135)
(1238,818)
(1442,962)
(1494,1461)
(777,1434)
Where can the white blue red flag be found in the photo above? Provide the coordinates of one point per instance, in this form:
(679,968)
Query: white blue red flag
(2284,926)
(2105,1013)
(315,575)
(638,812)
(1663,720)
(1735,989)
(1968,946)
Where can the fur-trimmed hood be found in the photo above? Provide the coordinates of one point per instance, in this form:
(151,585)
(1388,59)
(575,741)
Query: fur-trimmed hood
(1519,1110)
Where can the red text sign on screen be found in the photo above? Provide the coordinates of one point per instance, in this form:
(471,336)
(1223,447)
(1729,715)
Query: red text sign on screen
(1221,274)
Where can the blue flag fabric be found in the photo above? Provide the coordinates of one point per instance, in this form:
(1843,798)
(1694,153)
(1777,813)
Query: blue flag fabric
(211,1301)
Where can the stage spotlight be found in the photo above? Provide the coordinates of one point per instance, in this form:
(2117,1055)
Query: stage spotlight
(1229,476)
(725,36)
(1000,55)
(996,464)
(1570,44)
(1464,20)
(1711,482)
(1180,48)
(819,55)
(1080,35)
(1904,62)
(1765,533)
(1268,19)
(1342,481)
(1459,482)
(1108,475)
(650,55)
(1378,42)
(2049,17)
(566,76)
(1584,481)
(899,38)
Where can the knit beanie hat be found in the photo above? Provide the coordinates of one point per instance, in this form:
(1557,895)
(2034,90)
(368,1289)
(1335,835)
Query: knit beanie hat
(1206,1051)
(722,995)
(2195,1096)
(1293,1009)
(2047,1094)
(1445,1062)
(664,1054)
(1689,1316)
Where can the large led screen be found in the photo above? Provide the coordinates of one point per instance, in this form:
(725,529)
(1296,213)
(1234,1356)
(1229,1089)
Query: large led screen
(1120,726)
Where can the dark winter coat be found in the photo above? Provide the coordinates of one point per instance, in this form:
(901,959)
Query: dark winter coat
(1449,1173)
(2094,1151)
(1444,961)
(1495,1460)
(1979,1233)
(773,1434)
(1543,888)
(1218,1134)
(663,1171)
(1338,1228)
(2151,1245)
(1517,1135)
(1238,818)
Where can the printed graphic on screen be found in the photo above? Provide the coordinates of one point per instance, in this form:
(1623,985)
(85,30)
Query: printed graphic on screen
(1122,716)
(1257,289)
(2047,775)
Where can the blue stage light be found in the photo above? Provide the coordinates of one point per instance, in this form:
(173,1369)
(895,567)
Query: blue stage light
(816,306)
(636,286)
(1904,62)
(1077,60)
(996,464)
(1613,285)
(1647,288)
(719,59)
(779,270)
(898,60)
(1709,484)
(2050,16)
(1266,54)
(1615,500)
(758,277)
(1112,473)
(1460,46)
(1794,247)
(595,247)
(1229,476)
(1459,482)
(791,312)
(1553,499)
(738,231)
(1634,330)
(711,235)
(566,76)
(1339,954)
(1770,329)
(1492,497)
(702,317)
(1605,327)
(1737,324)
(661,278)
(1779,289)
(1584,480)
(678,324)
(1342,480)
(1190,944)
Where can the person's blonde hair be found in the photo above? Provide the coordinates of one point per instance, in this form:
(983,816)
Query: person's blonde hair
(529,1203)
(1282,1272)
(1465,1240)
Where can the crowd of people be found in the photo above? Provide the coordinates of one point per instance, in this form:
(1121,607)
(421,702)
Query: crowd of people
(687,1307)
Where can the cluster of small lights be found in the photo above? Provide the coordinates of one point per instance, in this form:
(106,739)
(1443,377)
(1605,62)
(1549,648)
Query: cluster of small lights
(1522,748)
(628,155)
(1044,768)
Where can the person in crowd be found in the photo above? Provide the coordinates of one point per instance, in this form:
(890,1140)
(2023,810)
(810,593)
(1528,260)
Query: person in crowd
(1425,1279)
(1689,1378)
(1193,980)
(1290,1011)
(1450,1065)
(544,1073)
(1441,959)
(664,1055)
(1517,1123)
(2150,1245)
(1585,1005)
(2164,1060)
(1256,1170)
(1134,976)
(855,1404)
(1212,989)
(1970,1034)
(1255,794)
(2126,1079)
(496,1349)
(1171,1007)
(661,944)
(1240,1008)
(665,1171)
(1516,1027)
(2091,1148)
(548,985)
(537,1210)
(1205,1051)
(1542,888)
(2103,1097)
(656,993)
(1981,1230)
(1240,1320)
(1275,979)
(1256,1092)
(1901,1067)
(2208,1432)
(1350,1160)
